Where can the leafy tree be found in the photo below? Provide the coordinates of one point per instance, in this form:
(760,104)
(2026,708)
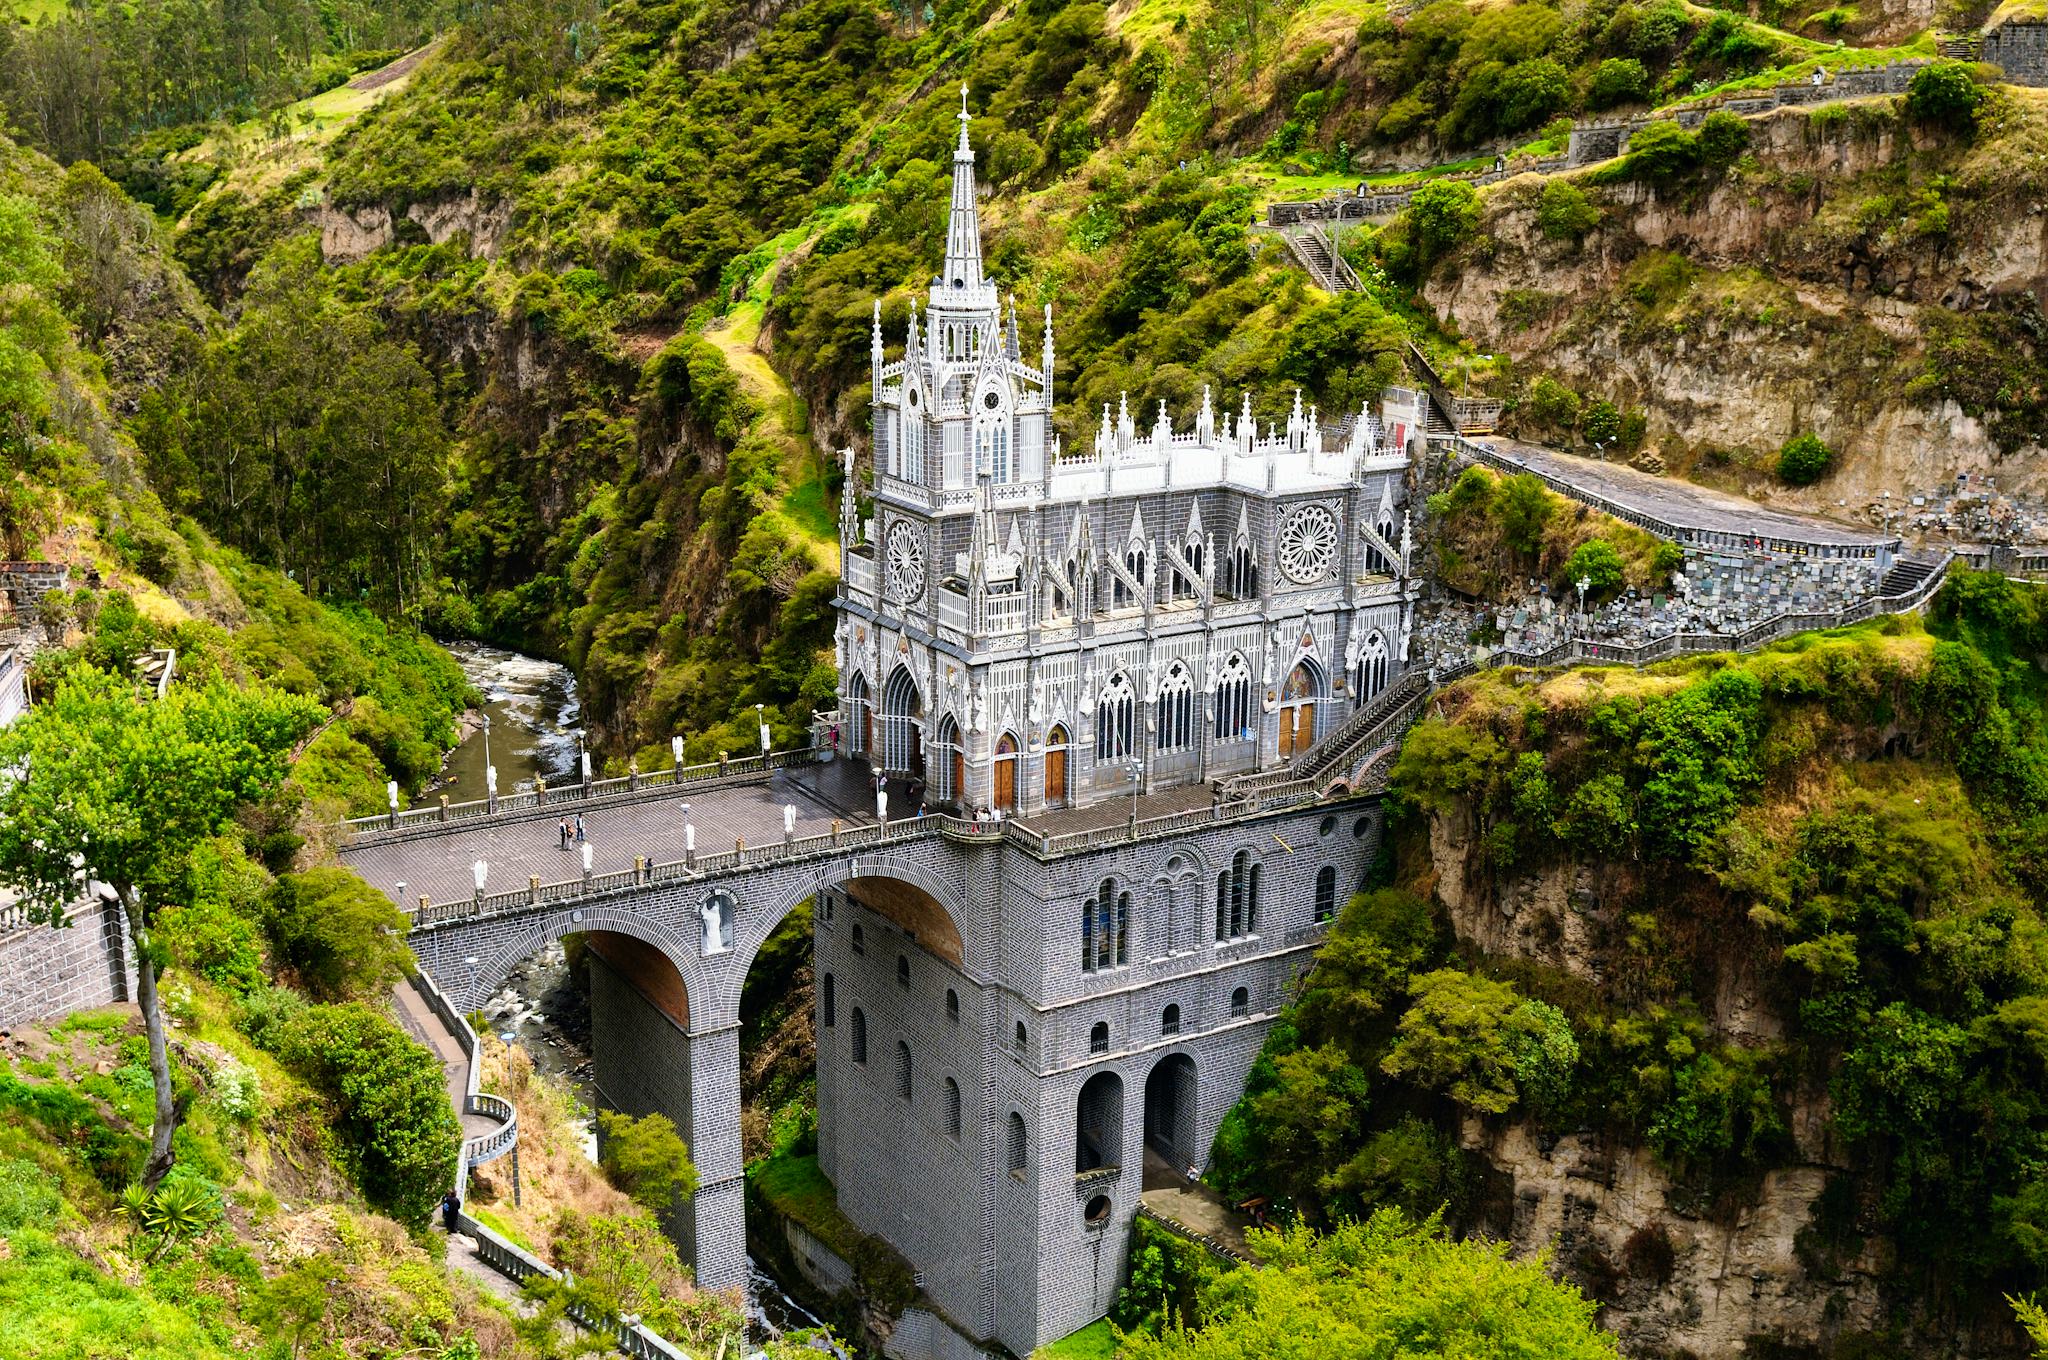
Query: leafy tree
(124,793)
(1603,424)
(1598,564)
(1463,1036)
(1545,1052)
(647,1158)
(32,332)
(103,235)
(295,1306)
(345,939)
(1617,80)
(1564,213)
(1804,460)
(1386,1286)
(1524,506)
(1945,94)
(1302,1124)
(1443,214)
(396,1128)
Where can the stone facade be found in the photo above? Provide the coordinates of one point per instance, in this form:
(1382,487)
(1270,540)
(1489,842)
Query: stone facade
(1025,631)
(1010,1014)
(47,971)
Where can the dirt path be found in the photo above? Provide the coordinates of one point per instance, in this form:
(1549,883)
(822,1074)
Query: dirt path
(397,70)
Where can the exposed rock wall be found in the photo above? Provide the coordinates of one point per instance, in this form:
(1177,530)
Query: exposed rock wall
(1768,301)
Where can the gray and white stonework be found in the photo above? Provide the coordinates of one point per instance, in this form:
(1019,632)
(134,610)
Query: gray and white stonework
(1068,937)
(48,971)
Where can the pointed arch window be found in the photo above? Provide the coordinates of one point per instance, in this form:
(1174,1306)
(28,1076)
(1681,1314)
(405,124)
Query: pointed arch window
(1240,570)
(902,1070)
(1122,596)
(952,1108)
(1105,928)
(910,463)
(1234,701)
(1369,677)
(1174,722)
(1237,899)
(1019,1145)
(860,716)
(992,446)
(1115,729)
(1187,587)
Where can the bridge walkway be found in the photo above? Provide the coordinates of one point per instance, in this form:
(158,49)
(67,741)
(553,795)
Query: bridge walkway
(435,863)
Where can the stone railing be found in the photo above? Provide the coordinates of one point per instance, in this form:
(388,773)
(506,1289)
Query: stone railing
(1678,533)
(703,865)
(484,1147)
(519,1265)
(540,802)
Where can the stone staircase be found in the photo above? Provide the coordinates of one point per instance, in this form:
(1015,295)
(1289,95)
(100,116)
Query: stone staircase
(1907,571)
(1328,269)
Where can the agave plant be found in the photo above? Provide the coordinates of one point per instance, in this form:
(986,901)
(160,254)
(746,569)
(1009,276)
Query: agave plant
(135,1205)
(179,1210)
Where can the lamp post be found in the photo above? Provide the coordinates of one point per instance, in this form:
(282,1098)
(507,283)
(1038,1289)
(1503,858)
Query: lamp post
(490,770)
(761,716)
(480,871)
(675,746)
(1584,583)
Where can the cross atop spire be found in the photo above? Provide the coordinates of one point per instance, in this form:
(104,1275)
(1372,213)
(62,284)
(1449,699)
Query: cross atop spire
(961,284)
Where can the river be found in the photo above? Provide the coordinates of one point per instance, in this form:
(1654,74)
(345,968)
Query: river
(536,731)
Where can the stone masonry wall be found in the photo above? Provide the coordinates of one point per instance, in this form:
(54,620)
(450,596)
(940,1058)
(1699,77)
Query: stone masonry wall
(46,971)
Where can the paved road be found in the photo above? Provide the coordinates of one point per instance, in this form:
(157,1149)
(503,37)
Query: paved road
(439,865)
(1682,503)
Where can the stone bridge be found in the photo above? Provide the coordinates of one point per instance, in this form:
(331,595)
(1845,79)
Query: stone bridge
(679,923)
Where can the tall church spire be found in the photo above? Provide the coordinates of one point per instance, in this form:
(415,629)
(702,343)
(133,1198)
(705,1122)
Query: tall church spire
(963,232)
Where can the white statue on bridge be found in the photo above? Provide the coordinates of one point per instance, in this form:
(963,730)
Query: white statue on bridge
(717,918)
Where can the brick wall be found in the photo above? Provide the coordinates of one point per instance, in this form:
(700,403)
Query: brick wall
(50,971)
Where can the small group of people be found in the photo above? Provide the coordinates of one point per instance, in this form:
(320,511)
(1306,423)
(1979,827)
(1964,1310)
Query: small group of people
(570,832)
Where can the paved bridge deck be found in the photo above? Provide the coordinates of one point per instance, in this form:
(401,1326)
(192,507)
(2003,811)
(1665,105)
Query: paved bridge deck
(437,863)
(1685,504)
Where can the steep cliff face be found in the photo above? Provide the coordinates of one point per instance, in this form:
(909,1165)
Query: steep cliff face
(1827,282)
(1682,1269)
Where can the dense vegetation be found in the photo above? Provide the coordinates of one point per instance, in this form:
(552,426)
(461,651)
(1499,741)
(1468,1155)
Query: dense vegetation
(1857,815)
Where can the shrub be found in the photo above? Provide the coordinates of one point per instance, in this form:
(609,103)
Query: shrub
(1603,423)
(1722,138)
(1442,215)
(395,1129)
(1618,80)
(1556,405)
(1804,460)
(345,938)
(1944,94)
(1661,150)
(647,1159)
(1565,213)
(1597,563)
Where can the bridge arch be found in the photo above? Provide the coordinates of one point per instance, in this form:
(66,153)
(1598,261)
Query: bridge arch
(813,879)
(492,972)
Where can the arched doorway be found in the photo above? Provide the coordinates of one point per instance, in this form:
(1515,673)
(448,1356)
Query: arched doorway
(1056,743)
(1099,1124)
(902,708)
(1170,1147)
(1006,773)
(1298,708)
